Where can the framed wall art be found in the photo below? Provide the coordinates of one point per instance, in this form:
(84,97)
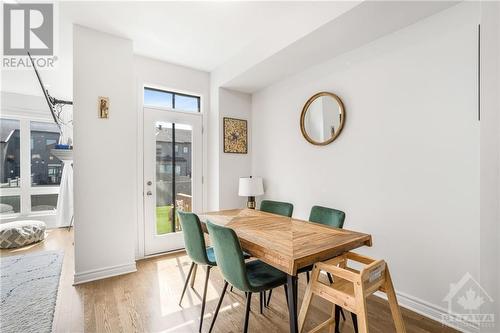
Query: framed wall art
(235,136)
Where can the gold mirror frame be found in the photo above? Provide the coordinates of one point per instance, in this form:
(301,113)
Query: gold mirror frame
(303,115)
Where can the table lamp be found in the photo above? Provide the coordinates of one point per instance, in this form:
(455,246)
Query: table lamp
(250,187)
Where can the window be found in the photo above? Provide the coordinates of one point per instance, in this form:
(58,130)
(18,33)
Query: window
(10,153)
(46,169)
(176,148)
(186,150)
(43,202)
(153,97)
(187,103)
(167,99)
(26,152)
(10,204)
(177,169)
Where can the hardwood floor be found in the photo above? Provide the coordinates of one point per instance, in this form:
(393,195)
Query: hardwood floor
(147,301)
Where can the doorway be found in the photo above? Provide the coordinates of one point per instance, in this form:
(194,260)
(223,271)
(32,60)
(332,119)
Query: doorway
(172,175)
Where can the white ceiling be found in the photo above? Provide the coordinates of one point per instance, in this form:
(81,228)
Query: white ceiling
(202,35)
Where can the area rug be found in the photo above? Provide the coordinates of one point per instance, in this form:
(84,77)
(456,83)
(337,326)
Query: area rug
(29,286)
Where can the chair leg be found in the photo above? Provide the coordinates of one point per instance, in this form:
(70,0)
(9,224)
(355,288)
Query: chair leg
(337,315)
(187,281)
(354,322)
(306,301)
(362,313)
(204,297)
(218,306)
(193,276)
(247,312)
(307,276)
(262,298)
(393,303)
(269,297)
(342,313)
(286,294)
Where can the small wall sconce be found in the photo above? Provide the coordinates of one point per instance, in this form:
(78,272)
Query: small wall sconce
(103,107)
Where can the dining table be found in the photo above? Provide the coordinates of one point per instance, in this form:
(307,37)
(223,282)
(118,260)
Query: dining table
(286,243)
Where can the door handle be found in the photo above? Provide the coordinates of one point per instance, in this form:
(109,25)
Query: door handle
(149,193)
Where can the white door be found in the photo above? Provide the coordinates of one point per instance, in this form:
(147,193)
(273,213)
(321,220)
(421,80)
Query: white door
(172,175)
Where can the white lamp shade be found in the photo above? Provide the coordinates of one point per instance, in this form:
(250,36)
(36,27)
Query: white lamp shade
(250,187)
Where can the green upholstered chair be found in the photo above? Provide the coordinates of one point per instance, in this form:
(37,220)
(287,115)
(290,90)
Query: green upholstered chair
(277,207)
(329,216)
(197,250)
(251,277)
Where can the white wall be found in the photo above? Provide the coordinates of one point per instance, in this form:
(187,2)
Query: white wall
(104,156)
(406,166)
(162,75)
(490,157)
(233,104)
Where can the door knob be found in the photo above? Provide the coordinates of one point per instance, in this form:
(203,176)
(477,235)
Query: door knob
(149,193)
(149,183)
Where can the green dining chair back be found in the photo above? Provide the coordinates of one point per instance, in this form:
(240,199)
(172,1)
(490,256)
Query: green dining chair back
(193,238)
(200,254)
(252,277)
(329,216)
(229,256)
(277,207)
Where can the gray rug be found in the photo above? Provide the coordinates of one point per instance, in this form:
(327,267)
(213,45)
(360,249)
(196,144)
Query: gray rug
(29,286)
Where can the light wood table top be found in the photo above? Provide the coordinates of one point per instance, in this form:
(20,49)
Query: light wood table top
(286,243)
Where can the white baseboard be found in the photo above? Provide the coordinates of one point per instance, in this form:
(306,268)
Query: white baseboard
(102,273)
(427,309)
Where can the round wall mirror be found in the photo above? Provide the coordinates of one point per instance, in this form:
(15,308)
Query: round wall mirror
(322,118)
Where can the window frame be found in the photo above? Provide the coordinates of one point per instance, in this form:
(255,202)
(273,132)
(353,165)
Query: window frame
(26,190)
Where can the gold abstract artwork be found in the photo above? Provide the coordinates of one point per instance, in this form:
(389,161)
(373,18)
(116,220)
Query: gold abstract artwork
(235,136)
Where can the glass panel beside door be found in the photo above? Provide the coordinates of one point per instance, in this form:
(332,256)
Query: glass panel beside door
(172,175)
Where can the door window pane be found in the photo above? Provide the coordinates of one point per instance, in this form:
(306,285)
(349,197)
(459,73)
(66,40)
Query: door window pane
(154,97)
(168,192)
(164,201)
(183,164)
(43,202)
(10,204)
(10,168)
(46,169)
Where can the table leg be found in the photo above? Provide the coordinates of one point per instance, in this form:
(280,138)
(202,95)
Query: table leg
(292,302)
